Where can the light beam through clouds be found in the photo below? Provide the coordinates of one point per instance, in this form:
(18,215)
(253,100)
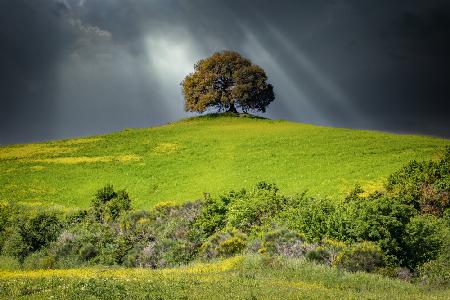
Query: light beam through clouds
(333,91)
(285,87)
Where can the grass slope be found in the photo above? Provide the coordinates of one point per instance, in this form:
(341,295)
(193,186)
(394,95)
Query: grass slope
(235,278)
(181,160)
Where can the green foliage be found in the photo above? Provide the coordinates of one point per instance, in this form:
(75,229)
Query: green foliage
(9,263)
(232,246)
(88,251)
(39,260)
(364,256)
(213,214)
(248,211)
(424,239)
(326,252)
(382,220)
(223,244)
(4,221)
(30,233)
(313,217)
(425,185)
(437,272)
(15,246)
(108,204)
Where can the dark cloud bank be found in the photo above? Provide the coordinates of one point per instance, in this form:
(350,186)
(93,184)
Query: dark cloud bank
(74,67)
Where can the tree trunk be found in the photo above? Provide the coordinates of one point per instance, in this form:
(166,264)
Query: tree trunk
(232,108)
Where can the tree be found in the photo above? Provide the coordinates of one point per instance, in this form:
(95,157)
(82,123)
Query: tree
(225,81)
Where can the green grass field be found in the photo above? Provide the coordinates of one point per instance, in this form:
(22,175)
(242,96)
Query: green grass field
(247,277)
(182,160)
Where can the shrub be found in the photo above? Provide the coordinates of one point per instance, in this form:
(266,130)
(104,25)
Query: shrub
(65,244)
(174,221)
(326,252)
(231,246)
(310,216)
(224,243)
(30,232)
(40,229)
(9,263)
(109,204)
(283,242)
(15,246)
(424,238)
(249,211)
(436,272)
(378,219)
(39,260)
(213,214)
(4,221)
(425,185)
(88,251)
(364,256)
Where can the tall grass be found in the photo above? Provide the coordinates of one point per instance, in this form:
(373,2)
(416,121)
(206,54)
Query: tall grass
(249,277)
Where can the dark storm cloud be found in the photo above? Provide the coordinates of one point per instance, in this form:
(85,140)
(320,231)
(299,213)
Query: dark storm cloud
(77,67)
(32,37)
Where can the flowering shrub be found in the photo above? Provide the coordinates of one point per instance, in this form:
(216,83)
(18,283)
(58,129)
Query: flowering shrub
(223,244)
(364,256)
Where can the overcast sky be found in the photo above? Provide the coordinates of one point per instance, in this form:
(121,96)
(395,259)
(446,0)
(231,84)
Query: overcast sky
(82,67)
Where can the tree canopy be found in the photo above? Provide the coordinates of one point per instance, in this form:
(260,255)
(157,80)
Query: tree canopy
(226,81)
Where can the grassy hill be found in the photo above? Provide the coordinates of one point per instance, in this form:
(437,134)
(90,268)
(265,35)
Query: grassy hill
(179,161)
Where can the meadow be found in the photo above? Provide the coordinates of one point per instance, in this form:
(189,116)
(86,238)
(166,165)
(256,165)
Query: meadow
(182,160)
(286,211)
(241,277)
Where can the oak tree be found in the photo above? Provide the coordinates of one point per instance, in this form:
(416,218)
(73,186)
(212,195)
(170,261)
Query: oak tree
(226,81)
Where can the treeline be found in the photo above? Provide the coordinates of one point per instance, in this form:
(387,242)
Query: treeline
(402,231)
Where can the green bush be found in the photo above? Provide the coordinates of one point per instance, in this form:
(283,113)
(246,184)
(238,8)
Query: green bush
(39,260)
(425,185)
(312,217)
(15,246)
(109,204)
(230,247)
(223,244)
(378,219)
(435,272)
(364,256)
(249,211)
(30,232)
(4,221)
(88,251)
(213,214)
(9,263)
(424,238)
(326,252)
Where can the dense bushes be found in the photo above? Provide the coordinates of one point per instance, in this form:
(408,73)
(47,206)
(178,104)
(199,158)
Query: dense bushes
(425,185)
(30,232)
(405,228)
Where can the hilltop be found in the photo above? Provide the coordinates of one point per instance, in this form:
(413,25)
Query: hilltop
(214,153)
